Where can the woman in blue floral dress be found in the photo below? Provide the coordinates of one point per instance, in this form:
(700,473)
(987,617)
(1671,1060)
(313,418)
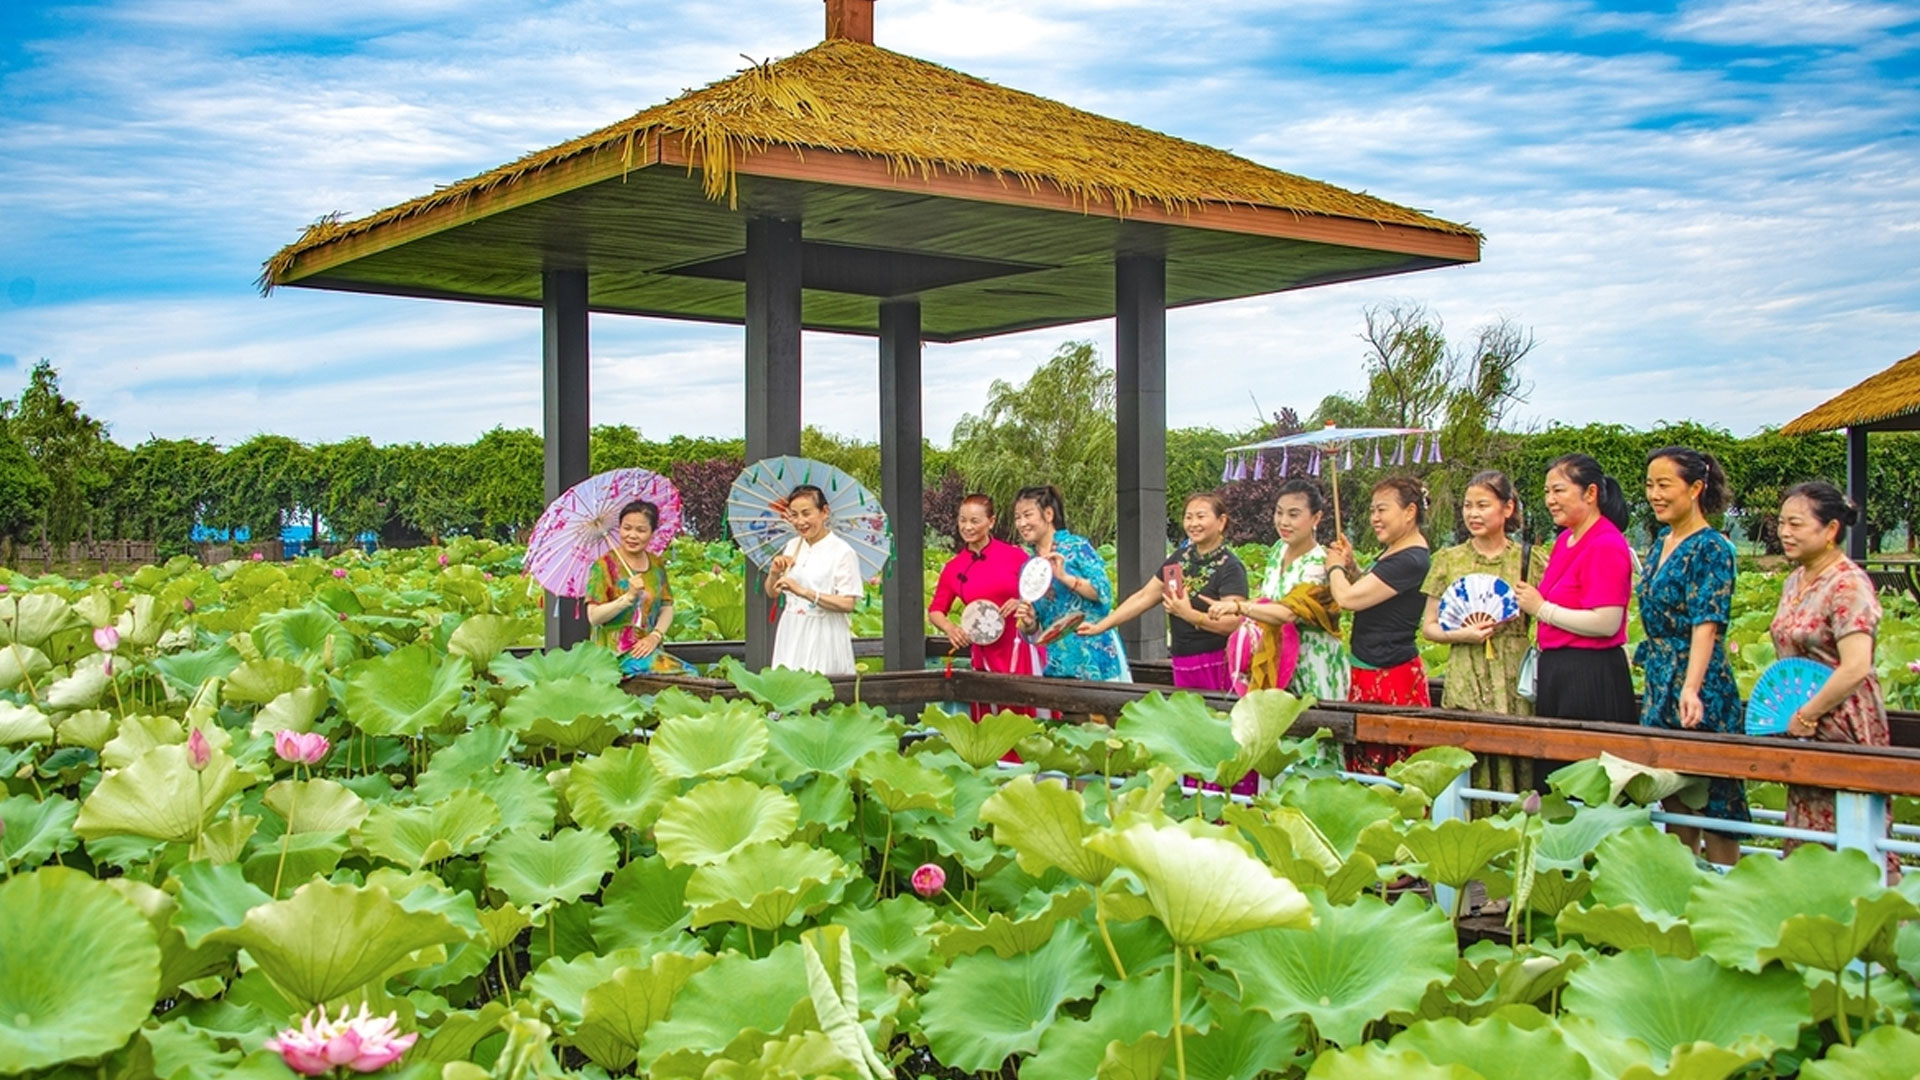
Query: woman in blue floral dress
(1686,600)
(1079,585)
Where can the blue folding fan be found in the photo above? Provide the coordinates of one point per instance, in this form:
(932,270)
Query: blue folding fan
(1477,594)
(1783,687)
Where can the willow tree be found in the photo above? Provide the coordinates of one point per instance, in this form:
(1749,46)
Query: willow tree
(1056,428)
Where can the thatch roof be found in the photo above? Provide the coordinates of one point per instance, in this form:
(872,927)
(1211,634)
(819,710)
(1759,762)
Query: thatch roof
(920,119)
(1891,395)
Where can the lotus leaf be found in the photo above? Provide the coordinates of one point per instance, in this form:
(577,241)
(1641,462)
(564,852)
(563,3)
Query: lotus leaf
(1241,1046)
(1181,732)
(736,1000)
(1565,845)
(257,682)
(406,692)
(983,742)
(721,742)
(160,797)
(1495,1049)
(317,805)
(20,664)
(295,710)
(23,724)
(36,830)
(328,939)
(308,855)
(526,800)
(32,618)
(457,1036)
(1204,888)
(619,787)
(470,755)
(1340,811)
(826,804)
(1455,852)
(480,638)
(1605,779)
(617,1013)
(212,898)
(589,660)
(956,834)
(1011,937)
(310,636)
(1816,907)
(82,689)
(780,689)
(1372,1062)
(1431,770)
(983,1009)
(1045,824)
(1357,963)
(79,973)
(900,783)
(564,983)
(1668,1004)
(417,835)
(763,885)
(834,989)
(136,735)
(564,702)
(1885,1053)
(1259,722)
(718,818)
(828,742)
(893,933)
(187,672)
(645,899)
(1125,1011)
(535,871)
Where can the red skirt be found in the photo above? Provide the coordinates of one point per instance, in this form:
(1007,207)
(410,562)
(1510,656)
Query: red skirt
(1402,684)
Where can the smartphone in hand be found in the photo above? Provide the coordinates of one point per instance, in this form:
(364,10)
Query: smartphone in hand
(1174,578)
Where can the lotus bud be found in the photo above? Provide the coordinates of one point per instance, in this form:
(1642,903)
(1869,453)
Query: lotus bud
(5,589)
(1530,804)
(929,879)
(314,747)
(119,583)
(106,639)
(343,616)
(186,604)
(443,558)
(199,751)
(259,556)
(340,572)
(1914,666)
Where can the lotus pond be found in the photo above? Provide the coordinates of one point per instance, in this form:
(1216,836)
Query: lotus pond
(272,789)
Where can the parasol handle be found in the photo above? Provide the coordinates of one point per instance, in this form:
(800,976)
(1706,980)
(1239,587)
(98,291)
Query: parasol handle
(1333,470)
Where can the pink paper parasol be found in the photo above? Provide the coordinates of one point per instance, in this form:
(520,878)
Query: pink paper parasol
(579,527)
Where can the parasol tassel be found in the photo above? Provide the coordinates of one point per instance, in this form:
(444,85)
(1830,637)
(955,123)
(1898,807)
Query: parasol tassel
(1433,456)
(1240,469)
(1314,468)
(1376,453)
(1349,459)
(1286,452)
(1419,449)
(1400,453)
(1259,466)
(1226,469)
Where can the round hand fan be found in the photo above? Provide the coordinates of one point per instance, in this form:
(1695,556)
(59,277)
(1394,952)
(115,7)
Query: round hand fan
(1782,688)
(1060,626)
(983,622)
(1036,577)
(1477,594)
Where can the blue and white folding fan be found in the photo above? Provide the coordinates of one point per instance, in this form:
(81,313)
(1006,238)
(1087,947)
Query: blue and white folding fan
(1782,688)
(1477,594)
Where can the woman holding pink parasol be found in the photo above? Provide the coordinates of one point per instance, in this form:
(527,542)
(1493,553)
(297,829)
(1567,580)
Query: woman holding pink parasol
(629,600)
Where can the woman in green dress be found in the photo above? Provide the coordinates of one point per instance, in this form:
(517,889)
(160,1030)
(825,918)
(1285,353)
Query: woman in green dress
(1484,656)
(1294,590)
(629,601)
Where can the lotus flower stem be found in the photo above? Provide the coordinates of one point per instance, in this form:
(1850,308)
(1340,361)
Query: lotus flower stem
(886,850)
(500,967)
(1866,1008)
(1179,1039)
(1100,918)
(286,838)
(977,924)
(751,954)
(1842,1021)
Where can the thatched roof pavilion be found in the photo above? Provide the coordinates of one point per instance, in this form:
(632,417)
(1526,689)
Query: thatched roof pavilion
(1888,401)
(854,189)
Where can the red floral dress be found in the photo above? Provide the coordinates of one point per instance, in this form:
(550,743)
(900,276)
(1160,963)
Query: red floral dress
(1812,618)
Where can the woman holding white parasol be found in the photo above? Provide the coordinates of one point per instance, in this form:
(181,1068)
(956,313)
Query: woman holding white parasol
(819,577)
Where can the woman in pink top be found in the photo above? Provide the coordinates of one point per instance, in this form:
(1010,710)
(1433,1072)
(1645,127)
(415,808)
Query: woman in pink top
(986,568)
(1581,602)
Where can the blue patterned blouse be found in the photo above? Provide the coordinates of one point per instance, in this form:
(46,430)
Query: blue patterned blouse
(1072,656)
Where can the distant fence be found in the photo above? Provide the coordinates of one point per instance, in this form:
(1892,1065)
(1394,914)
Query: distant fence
(107,553)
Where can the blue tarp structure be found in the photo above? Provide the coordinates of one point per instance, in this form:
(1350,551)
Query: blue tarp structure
(294,539)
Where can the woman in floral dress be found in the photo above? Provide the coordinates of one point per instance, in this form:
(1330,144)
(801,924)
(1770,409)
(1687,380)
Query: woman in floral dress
(1686,601)
(1294,590)
(1484,657)
(1079,585)
(629,602)
(1828,611)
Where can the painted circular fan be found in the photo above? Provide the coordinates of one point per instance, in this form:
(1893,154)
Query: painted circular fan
(983,622)
(1783,687)
(1036,577)
(1060,626)
(1477,594)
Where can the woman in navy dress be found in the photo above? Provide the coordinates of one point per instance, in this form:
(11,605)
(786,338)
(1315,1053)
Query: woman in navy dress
(1686,600)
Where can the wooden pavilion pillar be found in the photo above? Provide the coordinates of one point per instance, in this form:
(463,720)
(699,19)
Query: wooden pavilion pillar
(902,592)
(563,313)
(1140,449)
(773,379)
(1857,491)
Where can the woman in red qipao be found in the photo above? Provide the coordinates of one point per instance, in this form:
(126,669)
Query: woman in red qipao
(987,569)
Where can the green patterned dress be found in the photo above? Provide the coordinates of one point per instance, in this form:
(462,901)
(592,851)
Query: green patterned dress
(1482,678)
(1322,670)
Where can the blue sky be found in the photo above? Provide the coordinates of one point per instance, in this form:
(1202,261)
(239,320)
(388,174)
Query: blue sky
(1705,210)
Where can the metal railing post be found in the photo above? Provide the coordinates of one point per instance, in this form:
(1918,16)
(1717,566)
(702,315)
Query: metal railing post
(1860,822)
(1450,804)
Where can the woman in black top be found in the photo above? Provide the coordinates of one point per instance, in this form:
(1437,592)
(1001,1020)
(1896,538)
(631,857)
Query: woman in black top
(1203,571)
(1387,605)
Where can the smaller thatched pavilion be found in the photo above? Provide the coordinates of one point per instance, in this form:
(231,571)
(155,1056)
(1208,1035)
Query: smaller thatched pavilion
(1889,401)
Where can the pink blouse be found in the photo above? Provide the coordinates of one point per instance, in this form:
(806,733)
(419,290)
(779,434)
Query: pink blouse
(1597,572)
(993,574)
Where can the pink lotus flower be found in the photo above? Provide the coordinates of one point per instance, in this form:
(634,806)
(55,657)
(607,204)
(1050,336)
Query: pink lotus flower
(106,639)
(363,1043)
(119,584)
(929,879)
(340,572)
(307,749)
(1733,647)
(259,555)
(186,604)
(6,588)
(199,751)
(443,558)
(1914,666)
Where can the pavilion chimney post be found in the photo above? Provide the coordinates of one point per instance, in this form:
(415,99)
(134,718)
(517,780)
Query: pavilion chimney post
(563,310)
(773,379)
(850,20)
(902,590)
(1140,385)
(1857,536)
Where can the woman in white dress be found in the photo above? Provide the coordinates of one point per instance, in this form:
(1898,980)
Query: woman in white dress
(820,578)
